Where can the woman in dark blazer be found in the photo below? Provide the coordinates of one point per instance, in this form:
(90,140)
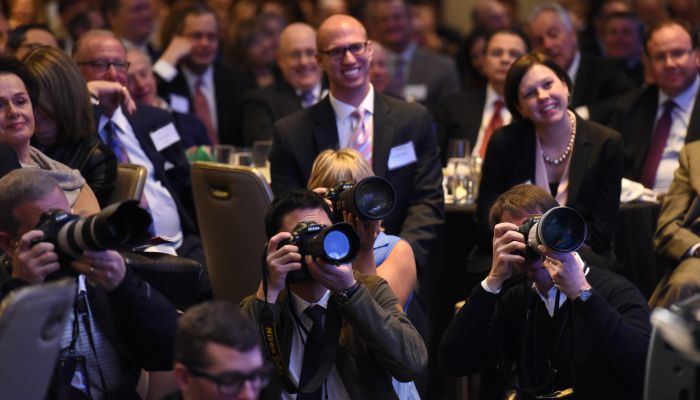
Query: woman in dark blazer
(579,162)
(64,121)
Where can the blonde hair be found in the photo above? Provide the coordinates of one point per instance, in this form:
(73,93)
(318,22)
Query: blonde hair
(334,166)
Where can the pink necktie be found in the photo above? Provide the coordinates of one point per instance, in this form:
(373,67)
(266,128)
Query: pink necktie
(495,123)
(360,140)
(201,109)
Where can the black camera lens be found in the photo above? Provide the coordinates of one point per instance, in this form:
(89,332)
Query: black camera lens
(562,229)
(374,198)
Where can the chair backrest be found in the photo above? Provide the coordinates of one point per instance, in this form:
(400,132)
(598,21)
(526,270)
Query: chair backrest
(31,327)
(231,202)
(669,375)
(131,178)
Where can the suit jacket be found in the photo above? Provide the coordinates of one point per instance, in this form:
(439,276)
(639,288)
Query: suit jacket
(265,105)
(597,80)
(377,341)
(678,228)
(436,71)
(595,174)
(298,138)
(634,116)
(458,116)
(230,89)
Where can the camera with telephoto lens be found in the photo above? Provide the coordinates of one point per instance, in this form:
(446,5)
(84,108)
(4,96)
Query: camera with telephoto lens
(372,198)
(121,225)
(336,244)
(562,229)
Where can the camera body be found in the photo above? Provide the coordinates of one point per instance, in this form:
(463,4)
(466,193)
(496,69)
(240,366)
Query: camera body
(561,229)
(372,198)
(336,244)
(117,226)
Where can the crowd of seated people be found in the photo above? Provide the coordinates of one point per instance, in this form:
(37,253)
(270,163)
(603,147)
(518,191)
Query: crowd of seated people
(571,98)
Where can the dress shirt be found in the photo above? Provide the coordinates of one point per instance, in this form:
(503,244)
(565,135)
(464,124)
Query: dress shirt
(343,117)
(680,118)
(406,56)
(489,108)
(166,220)
(573,68)
(316,91)
(333,388)
(207,89)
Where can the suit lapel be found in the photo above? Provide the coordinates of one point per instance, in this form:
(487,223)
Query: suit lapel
(579,96)
(694,123)
(325,130)
(579,159)
(383,135)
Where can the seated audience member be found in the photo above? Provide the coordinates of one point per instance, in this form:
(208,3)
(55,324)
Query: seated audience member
(26,38)
(623,40)
(133,22)
(378,72)
(490,15)
(578,162)
(476,113)
(120,324)
(471,59)
(388,256)
(65,127)
(378,341)
(191,78)
(142,86)
(677,237)
(18,94)
(218,355)
(569,326)
(248,49)
(144,136)
(659,119)
(300,88)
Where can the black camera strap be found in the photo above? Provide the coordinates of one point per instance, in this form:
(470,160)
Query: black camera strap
(271,338)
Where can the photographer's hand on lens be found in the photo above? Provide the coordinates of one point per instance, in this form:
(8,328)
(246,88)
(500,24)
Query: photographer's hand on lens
(565,270)
(508,243)
(31,263)
(334,277)
(279,262)
(366,230)
(104,269)
(323,191)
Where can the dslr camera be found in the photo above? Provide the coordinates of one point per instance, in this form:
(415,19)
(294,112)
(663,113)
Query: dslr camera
(372,198)
(336,244)
(118,226)
(562,229)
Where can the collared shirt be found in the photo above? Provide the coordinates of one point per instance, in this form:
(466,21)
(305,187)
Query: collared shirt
(406,56)
(317,92)
(344,120)
(487,114)
(166,220)
(573,68)
(680,119)
(333,388)
(207,89)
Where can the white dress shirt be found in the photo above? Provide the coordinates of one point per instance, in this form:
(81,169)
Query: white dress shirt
(208,90)
(487,114)
(344,120)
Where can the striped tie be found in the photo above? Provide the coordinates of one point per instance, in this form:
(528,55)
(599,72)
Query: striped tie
(360,140)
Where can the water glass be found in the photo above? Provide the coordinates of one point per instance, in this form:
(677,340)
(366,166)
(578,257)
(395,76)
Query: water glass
(223,153)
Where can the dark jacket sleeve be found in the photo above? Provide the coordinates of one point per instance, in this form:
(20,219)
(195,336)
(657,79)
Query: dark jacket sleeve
(100,172)
(283,168)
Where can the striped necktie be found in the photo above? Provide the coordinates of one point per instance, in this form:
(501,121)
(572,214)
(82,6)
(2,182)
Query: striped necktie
(360,139)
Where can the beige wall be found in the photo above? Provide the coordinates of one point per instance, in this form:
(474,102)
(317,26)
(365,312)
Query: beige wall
(456,13)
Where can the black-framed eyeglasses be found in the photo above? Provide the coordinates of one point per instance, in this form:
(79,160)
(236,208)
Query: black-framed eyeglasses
(231,383)
(103,65)
(337,53)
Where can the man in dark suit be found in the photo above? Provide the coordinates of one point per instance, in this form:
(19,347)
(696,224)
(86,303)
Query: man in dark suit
(301,87)
(475,114)
(595,79)
(417,74)
(133,22)
(147,137)
(191,78)
(651,153)
(401,148)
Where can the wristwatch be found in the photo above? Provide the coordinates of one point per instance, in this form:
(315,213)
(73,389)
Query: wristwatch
(344,296)
(583,295)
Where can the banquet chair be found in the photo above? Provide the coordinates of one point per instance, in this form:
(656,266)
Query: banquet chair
(231,202)
(131,179)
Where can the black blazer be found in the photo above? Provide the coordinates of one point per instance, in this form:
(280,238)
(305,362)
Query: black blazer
(598,79)
(595,174)
(265,105)
(634,116)
(458,116)
(298,138)
(230,88)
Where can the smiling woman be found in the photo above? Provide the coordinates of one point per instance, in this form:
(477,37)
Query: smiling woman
(18,90)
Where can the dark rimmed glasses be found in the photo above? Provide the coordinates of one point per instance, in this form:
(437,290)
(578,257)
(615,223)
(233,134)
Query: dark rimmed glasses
(103,65)
(337,53)
(231,383)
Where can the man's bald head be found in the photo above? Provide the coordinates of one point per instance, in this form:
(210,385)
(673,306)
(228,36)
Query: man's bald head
(337,25)
(296,56)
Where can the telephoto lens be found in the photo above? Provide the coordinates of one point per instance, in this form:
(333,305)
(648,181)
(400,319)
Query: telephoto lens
(372,198)
(562,229)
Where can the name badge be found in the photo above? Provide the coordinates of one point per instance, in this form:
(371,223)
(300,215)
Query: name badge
(179,103)
(401,155)
(415,92)
(165,136)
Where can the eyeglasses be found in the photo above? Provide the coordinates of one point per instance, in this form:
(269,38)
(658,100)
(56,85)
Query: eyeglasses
(676,55)
(103,65)
(231,383)
(337,53)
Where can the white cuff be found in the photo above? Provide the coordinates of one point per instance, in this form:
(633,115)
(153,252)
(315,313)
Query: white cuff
(165,70)
(488,289)
(691,252)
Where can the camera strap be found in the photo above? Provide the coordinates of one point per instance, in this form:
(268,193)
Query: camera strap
(271,339)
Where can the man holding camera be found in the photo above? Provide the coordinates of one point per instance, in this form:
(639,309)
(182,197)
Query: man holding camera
(342,335)
(570,328)
(119,324)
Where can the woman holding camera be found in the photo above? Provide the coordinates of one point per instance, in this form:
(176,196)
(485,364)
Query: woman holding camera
(18,93)
(579,162)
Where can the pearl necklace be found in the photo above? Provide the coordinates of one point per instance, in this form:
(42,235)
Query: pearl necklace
(569,146)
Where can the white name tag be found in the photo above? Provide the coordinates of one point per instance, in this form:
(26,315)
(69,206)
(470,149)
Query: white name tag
(415,92)
(401,155)
(165,136)
(179,103)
